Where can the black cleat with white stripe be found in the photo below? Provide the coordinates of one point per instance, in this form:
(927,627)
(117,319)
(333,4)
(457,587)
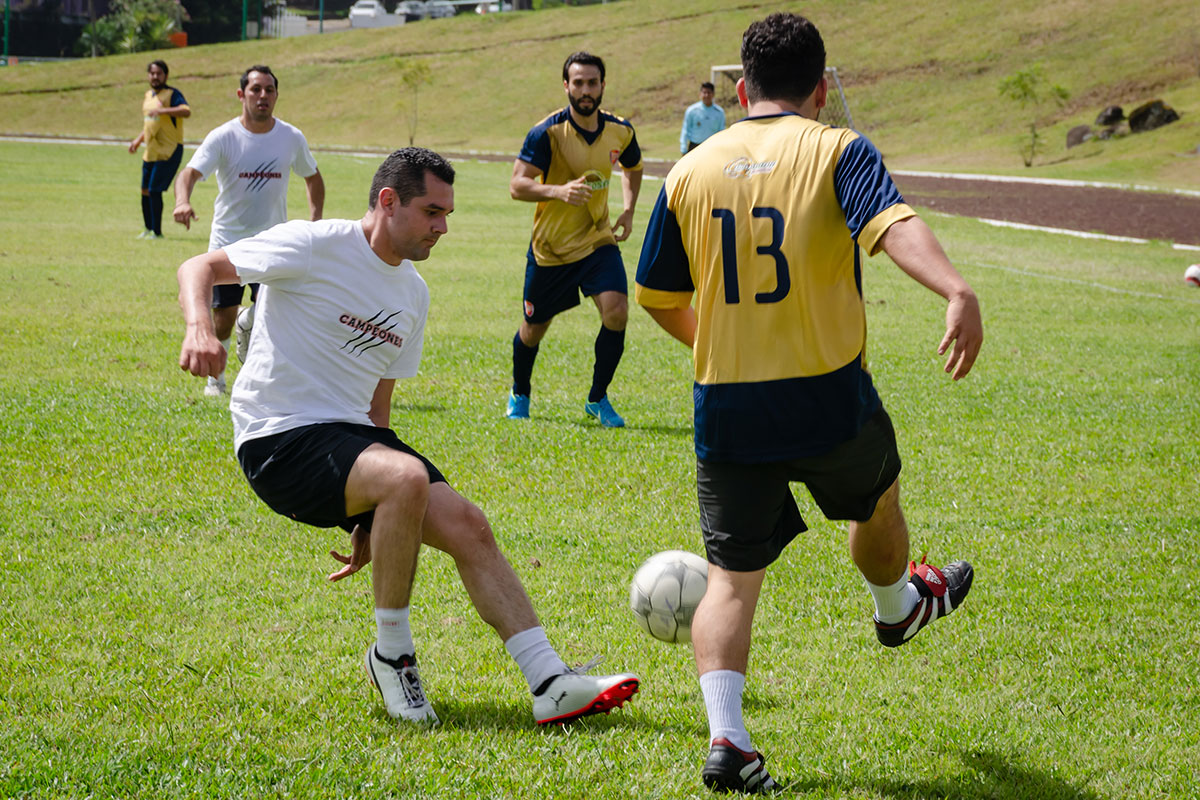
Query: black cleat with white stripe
(942,591)
(729,769)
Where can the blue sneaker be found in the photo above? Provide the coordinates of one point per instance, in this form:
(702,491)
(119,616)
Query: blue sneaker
(603,411)
(518,406)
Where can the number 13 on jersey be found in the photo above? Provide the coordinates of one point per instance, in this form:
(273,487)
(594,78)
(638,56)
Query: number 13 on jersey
(729,252)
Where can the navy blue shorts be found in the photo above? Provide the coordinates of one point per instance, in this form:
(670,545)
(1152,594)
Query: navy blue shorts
(747,511)
(549,291)
(157,175)
(227,295)
(302,473)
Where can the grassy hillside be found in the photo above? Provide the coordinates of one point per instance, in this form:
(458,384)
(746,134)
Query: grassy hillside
(921,78)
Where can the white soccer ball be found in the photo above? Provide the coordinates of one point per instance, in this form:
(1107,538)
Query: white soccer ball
(1191,275)
(666,589)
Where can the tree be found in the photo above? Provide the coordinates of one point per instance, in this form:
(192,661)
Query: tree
(132,27)
(414,75)
(1031,90)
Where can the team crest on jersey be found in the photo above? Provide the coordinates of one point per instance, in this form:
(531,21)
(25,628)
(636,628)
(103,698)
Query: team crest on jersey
(370,332)
(743,167)
(613,155)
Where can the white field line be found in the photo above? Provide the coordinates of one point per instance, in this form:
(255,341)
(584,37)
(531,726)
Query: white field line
(1080,234)
(963,176)
(1078,282)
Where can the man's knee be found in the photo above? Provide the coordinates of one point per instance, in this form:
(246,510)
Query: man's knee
(382,475)
(460,528)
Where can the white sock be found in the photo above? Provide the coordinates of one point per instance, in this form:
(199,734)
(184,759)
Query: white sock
(894,603)
(722,689)
(395,636)
(220,378)
(535,657)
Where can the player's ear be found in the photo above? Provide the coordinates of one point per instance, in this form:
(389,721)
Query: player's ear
(821,93)
(743,100)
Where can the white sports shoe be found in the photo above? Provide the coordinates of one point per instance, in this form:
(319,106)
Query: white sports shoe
(399,684)
(575,694)
(215,387)
(242,329)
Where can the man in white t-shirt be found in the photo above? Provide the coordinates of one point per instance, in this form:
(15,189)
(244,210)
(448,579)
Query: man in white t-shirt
(341,317)
(253,155)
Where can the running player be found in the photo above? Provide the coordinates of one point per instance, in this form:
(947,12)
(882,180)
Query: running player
(253,155)
(565,166)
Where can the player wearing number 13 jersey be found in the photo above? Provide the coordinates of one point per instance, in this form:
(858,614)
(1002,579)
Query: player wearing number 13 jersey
(753,258)
(764,224)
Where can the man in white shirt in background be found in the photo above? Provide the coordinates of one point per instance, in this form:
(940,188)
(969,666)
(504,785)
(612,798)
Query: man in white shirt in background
(252,155)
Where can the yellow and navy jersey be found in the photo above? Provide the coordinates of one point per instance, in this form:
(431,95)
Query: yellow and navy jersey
(763,226)
(563,151)
(163,133)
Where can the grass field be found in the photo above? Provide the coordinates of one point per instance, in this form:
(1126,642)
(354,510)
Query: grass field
(162,634)
(921,78)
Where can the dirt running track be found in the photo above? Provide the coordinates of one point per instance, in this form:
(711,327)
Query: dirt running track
(1116,212)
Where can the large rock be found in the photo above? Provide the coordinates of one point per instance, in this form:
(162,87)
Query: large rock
(1152,115)
(1078,135)
(1110,116)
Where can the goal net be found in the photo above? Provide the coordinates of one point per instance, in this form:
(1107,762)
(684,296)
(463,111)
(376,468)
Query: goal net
(836,111)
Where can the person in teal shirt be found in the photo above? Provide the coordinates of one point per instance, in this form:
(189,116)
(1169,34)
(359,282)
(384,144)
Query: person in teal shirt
(702,119)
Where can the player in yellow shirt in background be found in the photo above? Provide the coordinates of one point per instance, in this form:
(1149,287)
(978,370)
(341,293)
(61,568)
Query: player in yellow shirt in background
(163,112)
(565,166)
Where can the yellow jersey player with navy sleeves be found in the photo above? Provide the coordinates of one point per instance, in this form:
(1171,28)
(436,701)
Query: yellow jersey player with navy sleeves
(764,225)
(753,259)
(564,151)
(163,112)
(565,167)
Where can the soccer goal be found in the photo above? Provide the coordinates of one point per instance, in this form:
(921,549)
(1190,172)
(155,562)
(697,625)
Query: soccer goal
(836,111)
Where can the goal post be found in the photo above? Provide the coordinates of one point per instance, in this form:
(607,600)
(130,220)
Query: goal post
(836,112)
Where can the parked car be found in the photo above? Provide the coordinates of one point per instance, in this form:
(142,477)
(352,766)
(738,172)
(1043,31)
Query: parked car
(370,14)
(410,10)
(437,9)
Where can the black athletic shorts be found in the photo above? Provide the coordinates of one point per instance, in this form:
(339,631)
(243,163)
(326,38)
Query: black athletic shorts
(748,514)
(227,295)
(549,291)
(302,473)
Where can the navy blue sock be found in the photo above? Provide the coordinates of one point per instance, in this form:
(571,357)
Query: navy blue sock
(147,218)
(156,209)
(610,345)
(523,358)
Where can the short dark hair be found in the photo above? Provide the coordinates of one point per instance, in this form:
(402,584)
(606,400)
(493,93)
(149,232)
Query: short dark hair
(404,173)
(708,85)
(158,62)
(783,58)
(264,69)
(585,58)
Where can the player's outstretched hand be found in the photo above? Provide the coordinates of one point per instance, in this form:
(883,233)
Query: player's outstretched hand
(184,214)
(964,327)
(360,554)
(575,193)
(623,226)
(133,146)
